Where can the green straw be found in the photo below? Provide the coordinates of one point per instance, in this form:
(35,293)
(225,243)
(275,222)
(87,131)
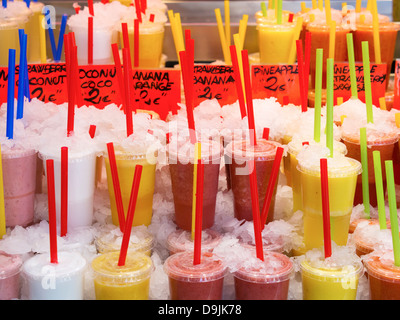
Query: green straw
(329,105)
(379,189)
(264,9)
(279,13)
(367,81)
(393,211)
(350,53)
(364,174)
(318,89)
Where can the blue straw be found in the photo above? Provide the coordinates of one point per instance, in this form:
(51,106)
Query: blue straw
(51,36)
(21,77)
(61,37)
(10,94)
(4,3)
(28,3)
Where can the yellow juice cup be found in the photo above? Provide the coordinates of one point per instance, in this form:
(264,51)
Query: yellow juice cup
(126,163)
(275,41)
(342,179)
(151,39)
(128,282)
(9,37)
(33,31)
(322,281)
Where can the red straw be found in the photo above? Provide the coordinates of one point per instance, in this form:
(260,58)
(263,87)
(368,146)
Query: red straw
(64,191)
(90,5)
(199,212)
(325,207)
(307,58)
(92,130)
(116,185)
(249,97)
(118,68)
(256,211)
(300,65)
(290,19)
(51,198)
(136,43)
(271,185)
(266,133)
(152,16)
(90,40)
(127,79)
(143,5)
(138,11)
(125,37)
(129,218)
(238,81)
(71,94)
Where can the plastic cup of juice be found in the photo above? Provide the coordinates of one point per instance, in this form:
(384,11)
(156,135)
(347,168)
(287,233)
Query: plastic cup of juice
(10,269)
(126,161)
(290,161)
(324,280)
(342,179)
(202,281)
(180,162)
(275,41)
(33,30)
(55,281)
(181,240)
(320,39)
(110,239)
(151,40)
(240,153)
(19,179)
(380,141)
(81,186)
(266,280)
(9,37)
(128,282)
(383,276)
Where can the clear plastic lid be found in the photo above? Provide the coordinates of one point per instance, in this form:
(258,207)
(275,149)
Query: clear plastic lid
(10,265)
(181,240)
(276,267)
(380,265)
(296,145)
(179,266)
(242,150)
(183,151)
(17,153)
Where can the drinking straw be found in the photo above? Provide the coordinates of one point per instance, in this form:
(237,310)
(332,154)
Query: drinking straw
(116,185)
(307,58)
(179,46)
(125,37)
(222,36)
(127,79)
(152,16)
(143,5)
(320,5)
(227,23)
(382,103)
(90,40)
(266,133)
(136,43)
(279,12)
(325,207)
(21,73)
(197,157)
(367,81)
(358,6)
(375,28)
(199,213)
(71,97)
(42,39)
(256,210)
(51,37)
(239,47)
(290,17)
(249,98)
(318,89)
(238,81)
(314,4)
(364,174)
(394,225)
(10,94)
(329,105)
(350,53)
(397,119)
(339,101)
(264,8)
(118,68)
(4,3)
(91,9)
(61,37)
(379,188)
(138,11)
(271,185)
(332,36)
(242,28)
(51,198)
(2,208)
(296,35)
(92,130)
(328,12)
(300,65)
(179,29)
(130,214)
(64,191)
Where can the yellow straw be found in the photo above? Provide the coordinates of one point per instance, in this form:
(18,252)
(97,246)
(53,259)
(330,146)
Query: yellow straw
(227,23)
(320,5)
(342,117)
(270,4)
(369,5)
(197,155)
(328,12)
(179,30)
(225,48)
(179,46)
(296,35)
(314,4)
(375,25)
(339,101)
(303,7)
(382,103)
(312,17)
(2,209)
(243,28)
(332,35)
(358,6)
(397,119)
(42,40)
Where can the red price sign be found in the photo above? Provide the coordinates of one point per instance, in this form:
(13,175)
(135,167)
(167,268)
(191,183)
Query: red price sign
(279,81)
(342,83)
(214,82)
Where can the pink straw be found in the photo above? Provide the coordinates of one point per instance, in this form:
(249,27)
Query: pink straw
(129,218)
(51,198)
(325,207)
(199,212)
(64,191)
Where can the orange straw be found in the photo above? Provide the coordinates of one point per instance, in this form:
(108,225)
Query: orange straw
(325,207)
